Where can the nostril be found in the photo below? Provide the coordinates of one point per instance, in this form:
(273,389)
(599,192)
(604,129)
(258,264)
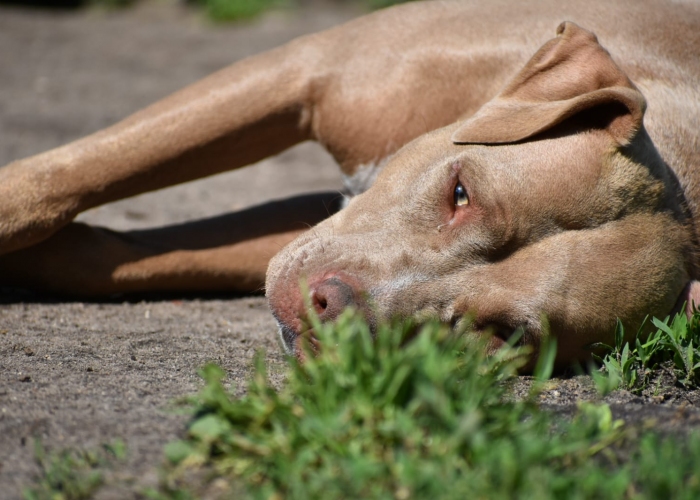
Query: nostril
(319,302)
(331,297)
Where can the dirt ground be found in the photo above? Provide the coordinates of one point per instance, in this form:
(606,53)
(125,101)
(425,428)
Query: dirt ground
(78,374)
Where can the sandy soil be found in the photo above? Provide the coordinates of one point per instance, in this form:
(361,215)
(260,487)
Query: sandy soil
(81,374)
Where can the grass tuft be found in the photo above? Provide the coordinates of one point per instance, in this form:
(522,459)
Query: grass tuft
(386,417)
(673,346)
(71,474)
(237,10)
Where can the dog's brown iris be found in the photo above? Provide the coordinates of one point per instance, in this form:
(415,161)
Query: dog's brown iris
(460,195)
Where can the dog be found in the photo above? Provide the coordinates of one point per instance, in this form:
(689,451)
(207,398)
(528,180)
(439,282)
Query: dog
(502,165)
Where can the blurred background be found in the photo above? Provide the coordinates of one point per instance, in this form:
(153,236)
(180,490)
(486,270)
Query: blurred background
(215,10)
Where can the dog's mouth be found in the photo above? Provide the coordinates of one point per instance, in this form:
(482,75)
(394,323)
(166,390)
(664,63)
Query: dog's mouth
(298,344)
(498,333)
(501,333)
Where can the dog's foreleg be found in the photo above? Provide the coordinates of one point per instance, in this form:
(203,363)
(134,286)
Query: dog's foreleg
(248,111)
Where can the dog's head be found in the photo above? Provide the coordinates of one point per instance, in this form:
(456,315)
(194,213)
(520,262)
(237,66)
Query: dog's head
(548,210)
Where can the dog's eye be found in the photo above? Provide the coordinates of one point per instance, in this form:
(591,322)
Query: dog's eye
(461,197)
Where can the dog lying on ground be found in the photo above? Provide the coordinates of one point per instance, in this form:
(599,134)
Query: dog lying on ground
(498,172)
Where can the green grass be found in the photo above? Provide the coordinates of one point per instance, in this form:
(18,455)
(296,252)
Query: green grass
(380,4)
(425,418)
(236,10)
(673,346)
(71,474)
(221,11)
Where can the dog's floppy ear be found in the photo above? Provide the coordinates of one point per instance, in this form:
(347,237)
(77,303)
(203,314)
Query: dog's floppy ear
(570,74)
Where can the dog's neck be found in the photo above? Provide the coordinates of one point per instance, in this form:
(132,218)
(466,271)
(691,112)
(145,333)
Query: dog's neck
(363,176)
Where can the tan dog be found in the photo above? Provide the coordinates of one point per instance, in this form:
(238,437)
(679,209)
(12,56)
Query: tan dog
(532,192)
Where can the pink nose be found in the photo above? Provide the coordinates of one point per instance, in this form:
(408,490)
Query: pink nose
(331,297)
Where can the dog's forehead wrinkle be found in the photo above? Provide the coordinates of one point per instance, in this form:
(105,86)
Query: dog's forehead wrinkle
(563,187)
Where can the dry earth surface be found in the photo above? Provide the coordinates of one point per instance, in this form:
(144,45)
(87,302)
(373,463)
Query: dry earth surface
(78,374)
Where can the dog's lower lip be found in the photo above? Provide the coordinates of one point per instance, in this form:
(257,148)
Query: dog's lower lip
(311,338)
(497,330)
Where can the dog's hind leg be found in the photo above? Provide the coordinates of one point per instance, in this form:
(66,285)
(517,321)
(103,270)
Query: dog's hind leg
(225,253)
(239,115)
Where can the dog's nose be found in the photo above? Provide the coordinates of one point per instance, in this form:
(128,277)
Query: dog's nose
(330,297)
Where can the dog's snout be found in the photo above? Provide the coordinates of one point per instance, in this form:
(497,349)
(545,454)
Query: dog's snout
(330,297)
(329,294)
